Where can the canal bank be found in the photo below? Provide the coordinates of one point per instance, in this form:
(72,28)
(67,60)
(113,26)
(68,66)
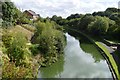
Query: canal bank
(106,54)
(77,63)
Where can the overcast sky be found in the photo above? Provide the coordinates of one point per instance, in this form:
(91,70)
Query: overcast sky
(64,7)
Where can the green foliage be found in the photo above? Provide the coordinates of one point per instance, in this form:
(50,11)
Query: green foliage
(103,23)
(85,21)
(16,47)
(111,10)
(17,61)
(29,27)
(6,38)
(108,12)
(116,18)
(74,23)
(63,22)
(12,16)
(22,19)
(51,41)
(9,12)
(99,26)
(100,13)
(56,19)
(74,16)
(11,72)
(34,49)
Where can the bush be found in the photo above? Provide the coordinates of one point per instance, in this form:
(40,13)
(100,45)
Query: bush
(51,41)
(16,47)
(34,49)
(11,72)
(24,20)
(6,38)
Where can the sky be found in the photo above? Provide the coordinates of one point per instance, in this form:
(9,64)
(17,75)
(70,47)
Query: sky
(64,8)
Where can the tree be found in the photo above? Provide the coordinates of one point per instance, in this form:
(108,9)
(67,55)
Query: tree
(99,26)
(57,19)
(85,21)
(51,41)
(100,13)
(9,14)
(116,18)
(73,16)
(112,10)
(73,23)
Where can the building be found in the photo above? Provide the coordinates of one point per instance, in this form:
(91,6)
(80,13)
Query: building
(31,14)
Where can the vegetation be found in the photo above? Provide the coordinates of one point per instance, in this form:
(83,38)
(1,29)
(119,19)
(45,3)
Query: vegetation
(30,44)
(54,42)
(104,23)
(100,46)
(9,12)
(29,27)
(113,63)
(11,71)
(26,45)
(99,25)
(16,58)
(12,16)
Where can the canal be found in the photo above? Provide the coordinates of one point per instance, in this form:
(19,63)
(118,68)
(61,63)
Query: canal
(81,60)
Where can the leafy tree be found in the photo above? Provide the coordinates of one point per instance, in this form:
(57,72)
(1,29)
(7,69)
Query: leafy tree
(100,25)
(51,41)
(116,18)
(85,21)
(112,10)
(73,23)
(9,14)
(100,13)
(63,22)
(73,16)
(57,19)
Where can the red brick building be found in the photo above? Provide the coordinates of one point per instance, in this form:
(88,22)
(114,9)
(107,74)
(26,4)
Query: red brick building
(32,15)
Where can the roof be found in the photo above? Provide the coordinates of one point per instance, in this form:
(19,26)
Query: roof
(32,12)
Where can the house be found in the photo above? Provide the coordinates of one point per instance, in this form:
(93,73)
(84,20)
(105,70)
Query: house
(31,14)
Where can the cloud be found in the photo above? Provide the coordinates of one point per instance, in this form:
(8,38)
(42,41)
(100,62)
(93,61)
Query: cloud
(64,7)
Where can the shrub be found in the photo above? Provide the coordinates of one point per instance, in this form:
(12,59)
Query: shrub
(16,47)
(34,49)
(51,41)
(11,72)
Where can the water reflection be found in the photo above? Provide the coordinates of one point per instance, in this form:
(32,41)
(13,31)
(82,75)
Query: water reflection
(77,63)
(53,71)
(88,46)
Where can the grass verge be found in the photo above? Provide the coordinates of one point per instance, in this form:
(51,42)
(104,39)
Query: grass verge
(112,61)
(105,50)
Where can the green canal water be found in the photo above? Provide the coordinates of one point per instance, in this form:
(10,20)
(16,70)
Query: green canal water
(81,60)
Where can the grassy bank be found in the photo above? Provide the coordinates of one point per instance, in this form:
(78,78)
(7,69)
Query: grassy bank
(112,61)
(105,50)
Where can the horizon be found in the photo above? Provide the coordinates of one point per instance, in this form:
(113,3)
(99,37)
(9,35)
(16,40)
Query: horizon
(64,8)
